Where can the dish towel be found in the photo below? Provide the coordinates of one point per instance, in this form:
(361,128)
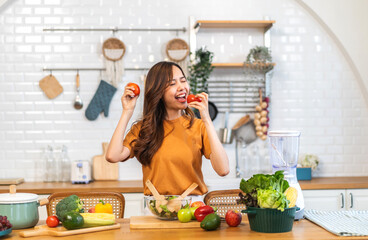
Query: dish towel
(341,223)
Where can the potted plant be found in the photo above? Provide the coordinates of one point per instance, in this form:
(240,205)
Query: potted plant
(199,73)
(259,58)
(200,70)
(306,164)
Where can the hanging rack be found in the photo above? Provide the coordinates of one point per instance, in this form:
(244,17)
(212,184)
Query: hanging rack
(90,69)
(116,29)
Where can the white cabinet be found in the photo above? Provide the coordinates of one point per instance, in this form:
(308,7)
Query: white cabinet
(133,204)
(336,199)
(357,199)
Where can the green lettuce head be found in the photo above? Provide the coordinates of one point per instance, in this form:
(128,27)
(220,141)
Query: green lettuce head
(270,198)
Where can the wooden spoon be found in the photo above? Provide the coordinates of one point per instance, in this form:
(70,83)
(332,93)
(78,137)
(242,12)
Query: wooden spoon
(160,199)
(175,204)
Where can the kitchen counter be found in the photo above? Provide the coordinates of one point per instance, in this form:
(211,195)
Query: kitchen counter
(302,229)
(133,186)
(136,186)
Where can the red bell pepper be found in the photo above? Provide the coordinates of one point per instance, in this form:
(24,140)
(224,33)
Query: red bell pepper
(201,212)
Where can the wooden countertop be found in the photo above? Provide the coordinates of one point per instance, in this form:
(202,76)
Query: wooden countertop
(335,183)
(133,186)
(136,186)
(302,229)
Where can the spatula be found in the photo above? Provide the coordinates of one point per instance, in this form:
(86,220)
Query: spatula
(175,204)
(160,199)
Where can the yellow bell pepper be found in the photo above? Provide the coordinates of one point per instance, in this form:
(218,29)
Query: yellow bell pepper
(103,207)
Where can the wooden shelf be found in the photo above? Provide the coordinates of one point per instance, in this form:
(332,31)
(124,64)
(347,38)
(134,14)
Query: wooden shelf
(241,65)
(266,24)
(228,65)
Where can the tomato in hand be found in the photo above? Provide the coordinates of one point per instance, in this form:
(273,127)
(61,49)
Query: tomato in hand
(136,89)
(52,221)
(193,98)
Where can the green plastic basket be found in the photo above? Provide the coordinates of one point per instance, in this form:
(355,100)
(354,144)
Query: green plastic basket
(269,220)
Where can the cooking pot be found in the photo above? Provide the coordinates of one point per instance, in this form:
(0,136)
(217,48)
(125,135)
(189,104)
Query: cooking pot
(21,208)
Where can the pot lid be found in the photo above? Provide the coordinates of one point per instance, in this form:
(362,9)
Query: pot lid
(7,198)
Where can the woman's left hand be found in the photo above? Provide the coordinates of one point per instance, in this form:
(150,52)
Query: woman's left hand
(202,106)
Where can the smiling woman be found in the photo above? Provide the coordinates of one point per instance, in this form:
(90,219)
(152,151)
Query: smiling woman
(168,141)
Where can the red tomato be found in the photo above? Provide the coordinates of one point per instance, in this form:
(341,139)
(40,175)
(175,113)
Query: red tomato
(197,204)
(136,90)
(52,221)
(192,98)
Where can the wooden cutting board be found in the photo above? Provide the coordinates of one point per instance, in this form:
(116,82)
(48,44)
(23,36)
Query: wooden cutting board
(102,169)
(51,86)
(11,181)
(44,230)
(145,222)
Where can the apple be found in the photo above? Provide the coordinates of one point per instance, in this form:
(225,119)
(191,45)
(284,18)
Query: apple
(92,210)
(233,218)
(197,204)
(185,215)
(192,210)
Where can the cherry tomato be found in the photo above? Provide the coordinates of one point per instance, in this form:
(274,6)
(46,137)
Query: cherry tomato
(136,90)
(192,98)
(52,221)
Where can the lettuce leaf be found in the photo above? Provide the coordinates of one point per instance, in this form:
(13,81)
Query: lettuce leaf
(270,198)
(265,181)
(266,191)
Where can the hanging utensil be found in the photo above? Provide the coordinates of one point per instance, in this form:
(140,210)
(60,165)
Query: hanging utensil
(78,104)
(226,135)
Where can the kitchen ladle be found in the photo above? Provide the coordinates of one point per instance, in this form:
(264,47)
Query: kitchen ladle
(160,199)
(78,104)
(175,204)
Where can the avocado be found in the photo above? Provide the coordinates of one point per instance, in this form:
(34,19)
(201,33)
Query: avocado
(211,222)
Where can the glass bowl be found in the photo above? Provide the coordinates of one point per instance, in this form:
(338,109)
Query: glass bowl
(167,210)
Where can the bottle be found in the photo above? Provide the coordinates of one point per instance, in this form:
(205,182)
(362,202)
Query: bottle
(49,163)
(65,165)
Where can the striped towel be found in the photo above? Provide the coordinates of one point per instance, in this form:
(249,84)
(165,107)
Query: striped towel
(341,223)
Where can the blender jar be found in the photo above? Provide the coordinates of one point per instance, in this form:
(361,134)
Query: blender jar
(284,151)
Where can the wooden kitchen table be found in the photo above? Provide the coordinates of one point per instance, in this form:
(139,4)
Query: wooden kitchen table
(302,229)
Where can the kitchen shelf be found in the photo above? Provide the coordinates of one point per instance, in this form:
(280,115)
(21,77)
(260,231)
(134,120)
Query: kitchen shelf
(266,24)
(241,65)
(240,95)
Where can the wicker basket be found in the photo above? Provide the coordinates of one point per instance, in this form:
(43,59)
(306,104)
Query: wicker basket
(177,45)
(113,44)
(224,200)
(90,199)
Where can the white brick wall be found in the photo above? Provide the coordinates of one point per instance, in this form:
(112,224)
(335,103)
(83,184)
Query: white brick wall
(313,89)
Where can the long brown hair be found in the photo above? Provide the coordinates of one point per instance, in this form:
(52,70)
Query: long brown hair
(152,132)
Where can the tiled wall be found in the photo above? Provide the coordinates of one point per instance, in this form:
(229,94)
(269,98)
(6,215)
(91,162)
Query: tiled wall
(313,89)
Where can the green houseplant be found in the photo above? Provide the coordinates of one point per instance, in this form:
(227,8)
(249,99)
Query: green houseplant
(200,71)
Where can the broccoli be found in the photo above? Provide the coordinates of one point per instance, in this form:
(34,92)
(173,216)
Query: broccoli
(69,204)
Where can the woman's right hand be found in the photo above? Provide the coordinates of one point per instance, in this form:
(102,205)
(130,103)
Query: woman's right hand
(129,100)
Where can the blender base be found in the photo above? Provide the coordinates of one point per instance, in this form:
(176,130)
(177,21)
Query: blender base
(299,214)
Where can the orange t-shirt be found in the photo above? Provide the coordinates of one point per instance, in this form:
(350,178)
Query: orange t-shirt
(178,162)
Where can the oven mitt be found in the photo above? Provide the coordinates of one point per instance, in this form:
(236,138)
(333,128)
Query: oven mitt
(100,101)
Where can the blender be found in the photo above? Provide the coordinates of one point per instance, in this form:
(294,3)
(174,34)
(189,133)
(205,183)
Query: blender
(284,151)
